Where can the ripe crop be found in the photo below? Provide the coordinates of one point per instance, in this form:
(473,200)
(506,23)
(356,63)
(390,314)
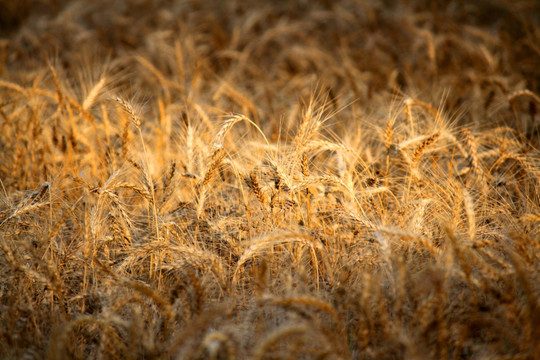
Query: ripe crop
(269,180)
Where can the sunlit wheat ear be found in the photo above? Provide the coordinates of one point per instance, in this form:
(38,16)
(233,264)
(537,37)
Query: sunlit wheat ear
(167,189)
(93,94)
(389,134)
(469,211)
(472,150)
(253,183)
(129,110)
(218,152)
(220,136)
(423,146)
(135,119)
(311,123)
(32,201)
(59,93)
(213,163)
(282,181)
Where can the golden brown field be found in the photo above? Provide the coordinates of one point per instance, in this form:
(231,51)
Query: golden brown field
(269,179)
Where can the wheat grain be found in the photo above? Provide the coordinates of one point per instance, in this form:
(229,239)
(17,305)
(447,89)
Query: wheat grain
(93,94)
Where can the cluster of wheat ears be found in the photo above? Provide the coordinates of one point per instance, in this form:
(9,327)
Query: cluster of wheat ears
(269,180)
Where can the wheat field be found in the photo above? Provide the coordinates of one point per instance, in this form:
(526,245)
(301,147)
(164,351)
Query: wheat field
(269,179)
